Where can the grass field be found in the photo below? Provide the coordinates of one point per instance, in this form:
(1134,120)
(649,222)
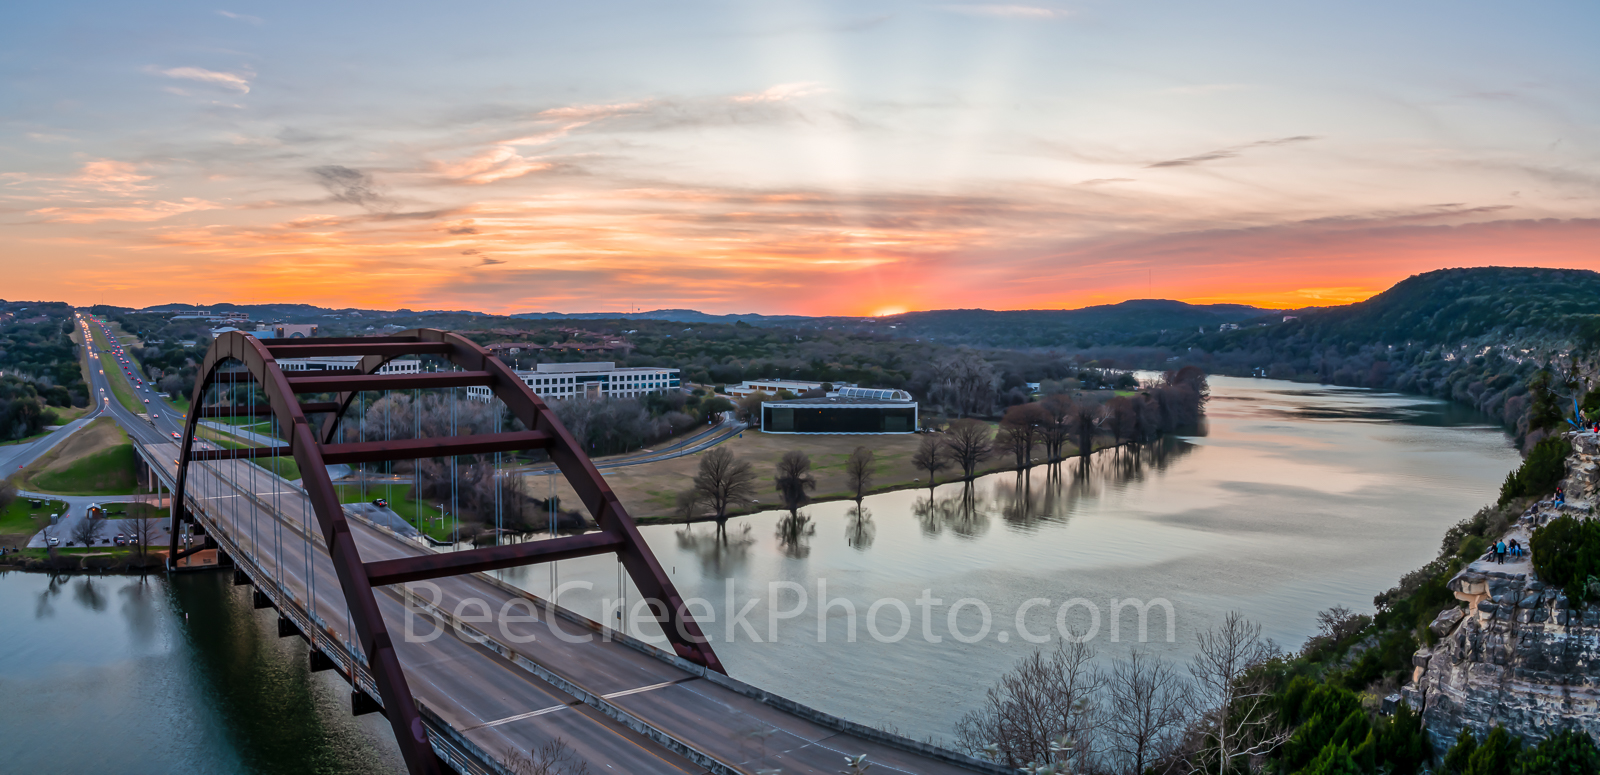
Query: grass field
(401,502)
(21,520)
(649,490)
(97,460)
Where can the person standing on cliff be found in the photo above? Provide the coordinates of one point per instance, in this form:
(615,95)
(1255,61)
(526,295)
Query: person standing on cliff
(1500,552)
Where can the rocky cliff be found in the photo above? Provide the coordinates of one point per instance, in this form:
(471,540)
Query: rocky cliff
(1517,654)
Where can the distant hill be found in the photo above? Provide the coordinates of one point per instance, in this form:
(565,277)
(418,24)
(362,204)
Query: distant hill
(1107,324)
(1449,306)
(669,315)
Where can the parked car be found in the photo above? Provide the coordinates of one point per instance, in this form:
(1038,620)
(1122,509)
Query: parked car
(52,541)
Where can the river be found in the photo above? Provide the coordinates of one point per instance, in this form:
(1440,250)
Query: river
(1293,499)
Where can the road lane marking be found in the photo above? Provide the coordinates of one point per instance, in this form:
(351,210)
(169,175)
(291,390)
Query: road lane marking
(643,689)
(521,716)
(554,708)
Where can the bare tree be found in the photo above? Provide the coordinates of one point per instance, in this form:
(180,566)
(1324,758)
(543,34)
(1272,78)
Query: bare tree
(88,528)
(689,504)
(1122,417)
(964,383)
(859,470)
(141,524)
(1055,430)
(1041,700)
(793,480)
(552,758)
(1085,422)
(1021,429)
(1238,720)
(1148,710)
(725,482)
(931,456)
(749,407)
(969,442)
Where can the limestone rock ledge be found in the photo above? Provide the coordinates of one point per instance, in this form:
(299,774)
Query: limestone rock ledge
(1519,654)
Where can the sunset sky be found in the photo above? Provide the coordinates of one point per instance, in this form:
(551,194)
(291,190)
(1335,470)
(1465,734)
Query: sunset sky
(803,158)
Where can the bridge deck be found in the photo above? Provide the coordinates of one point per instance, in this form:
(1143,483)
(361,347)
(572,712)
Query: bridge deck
(621,706)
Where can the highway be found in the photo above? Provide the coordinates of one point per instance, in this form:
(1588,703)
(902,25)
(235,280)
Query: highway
(619,706)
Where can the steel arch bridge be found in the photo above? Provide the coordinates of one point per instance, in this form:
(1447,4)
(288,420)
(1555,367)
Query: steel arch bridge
(313,448)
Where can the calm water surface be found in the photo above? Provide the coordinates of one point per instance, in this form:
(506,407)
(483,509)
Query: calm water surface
(1294,499)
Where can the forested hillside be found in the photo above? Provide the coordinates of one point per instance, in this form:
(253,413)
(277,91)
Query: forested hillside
(40,366)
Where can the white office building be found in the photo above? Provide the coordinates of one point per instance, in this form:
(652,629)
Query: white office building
(347,362)
(594,380)
(772,387)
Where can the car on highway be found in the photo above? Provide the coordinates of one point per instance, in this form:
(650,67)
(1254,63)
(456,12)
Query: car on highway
(175,435)
(147,400)
(380,503)
(52,541)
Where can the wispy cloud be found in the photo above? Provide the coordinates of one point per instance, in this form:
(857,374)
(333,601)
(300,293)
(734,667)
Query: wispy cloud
(256,20)
(134,211)
(1004,11)
(234,81)
(499,163)
(1229,152)
(783,92)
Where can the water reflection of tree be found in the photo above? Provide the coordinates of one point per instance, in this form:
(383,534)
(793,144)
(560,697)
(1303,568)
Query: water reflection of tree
(963,513)
(140,610)
(794,535)
(88,594)
(44,610)
(722,552)
(859,529)
(1050,493)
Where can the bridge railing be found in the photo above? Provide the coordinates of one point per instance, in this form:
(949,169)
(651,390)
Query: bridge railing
(448,743)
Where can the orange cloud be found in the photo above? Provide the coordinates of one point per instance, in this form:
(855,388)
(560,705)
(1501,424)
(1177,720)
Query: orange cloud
(133,211)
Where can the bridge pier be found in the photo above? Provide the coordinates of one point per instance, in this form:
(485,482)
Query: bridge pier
(260,600)
(239,578)
(319,661)
(362,703)
(287,628)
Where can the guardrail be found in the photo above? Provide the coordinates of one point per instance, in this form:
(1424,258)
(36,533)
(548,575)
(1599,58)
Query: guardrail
(448,743)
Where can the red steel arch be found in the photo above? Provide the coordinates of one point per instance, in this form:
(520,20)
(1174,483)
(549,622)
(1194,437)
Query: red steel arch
(313,452)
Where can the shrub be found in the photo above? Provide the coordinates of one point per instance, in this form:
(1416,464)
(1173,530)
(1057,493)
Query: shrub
(1540,473)
(1566,552)
(1570,752)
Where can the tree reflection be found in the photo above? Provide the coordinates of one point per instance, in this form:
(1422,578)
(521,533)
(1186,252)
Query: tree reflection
(1051,493)
(140,610)
(44,610)
(860,530)
(794,535)
(964,513)
(88,594)
(722,552)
